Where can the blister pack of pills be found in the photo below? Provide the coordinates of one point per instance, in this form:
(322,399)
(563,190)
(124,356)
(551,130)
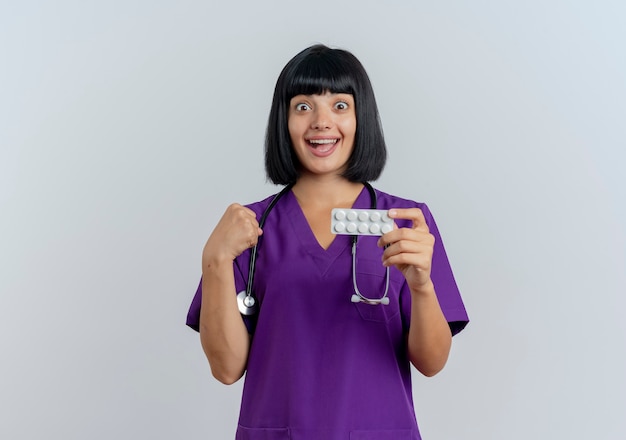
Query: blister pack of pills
(348,221)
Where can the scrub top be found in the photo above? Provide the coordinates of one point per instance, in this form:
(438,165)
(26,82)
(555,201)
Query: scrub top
(321,366)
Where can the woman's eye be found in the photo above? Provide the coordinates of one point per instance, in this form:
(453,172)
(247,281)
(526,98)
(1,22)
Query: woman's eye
(302,107)
(341,105)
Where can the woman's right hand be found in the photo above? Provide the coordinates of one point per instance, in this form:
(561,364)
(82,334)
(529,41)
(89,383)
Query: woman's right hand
(237,230)
(224,336)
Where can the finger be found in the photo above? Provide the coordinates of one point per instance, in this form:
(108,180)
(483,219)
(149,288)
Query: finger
(403,247)
(414,214)
(393,236)
(249,211)
(405,234)
(255,222)
(252,239)
(239,212)
(237,208)
(244,212)
(418,260)
(423,245)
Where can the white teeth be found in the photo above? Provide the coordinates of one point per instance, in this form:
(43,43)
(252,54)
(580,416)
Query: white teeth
(322,141)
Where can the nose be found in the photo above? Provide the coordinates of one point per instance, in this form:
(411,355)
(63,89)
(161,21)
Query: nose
(322,119)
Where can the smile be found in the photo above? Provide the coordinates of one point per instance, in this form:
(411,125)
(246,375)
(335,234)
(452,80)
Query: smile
(322,145)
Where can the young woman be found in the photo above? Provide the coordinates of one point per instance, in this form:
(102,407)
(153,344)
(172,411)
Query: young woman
(325,358)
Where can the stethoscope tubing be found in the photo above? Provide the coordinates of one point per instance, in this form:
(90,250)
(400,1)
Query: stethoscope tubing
(246,301)
(254,252)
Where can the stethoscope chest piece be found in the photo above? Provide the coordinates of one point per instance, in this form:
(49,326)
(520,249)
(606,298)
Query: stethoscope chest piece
(249,305)
(246,303)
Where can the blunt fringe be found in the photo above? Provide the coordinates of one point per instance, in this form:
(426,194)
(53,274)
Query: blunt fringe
(317,70)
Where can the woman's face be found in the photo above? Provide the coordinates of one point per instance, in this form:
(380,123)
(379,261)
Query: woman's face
(322,130)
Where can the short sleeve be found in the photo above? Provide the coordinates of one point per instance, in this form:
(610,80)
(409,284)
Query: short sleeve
(193,315)
(443,279)
(240,266)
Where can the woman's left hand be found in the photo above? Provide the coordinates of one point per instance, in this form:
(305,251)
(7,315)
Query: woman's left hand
(410,249)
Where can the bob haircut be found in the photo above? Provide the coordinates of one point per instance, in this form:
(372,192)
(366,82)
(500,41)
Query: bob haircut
(315,71)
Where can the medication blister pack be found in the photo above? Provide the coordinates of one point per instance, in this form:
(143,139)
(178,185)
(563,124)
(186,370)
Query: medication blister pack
(348,221)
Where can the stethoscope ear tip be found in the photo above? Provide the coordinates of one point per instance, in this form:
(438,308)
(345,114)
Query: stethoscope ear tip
(384,300)
(355,298)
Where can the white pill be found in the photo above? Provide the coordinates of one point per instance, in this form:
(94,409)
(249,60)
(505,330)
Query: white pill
(352,216)
(363,216)
(340,227)
(386,228)
(375,217)
(363,228)
(340,215)
(374,229)
(351,227)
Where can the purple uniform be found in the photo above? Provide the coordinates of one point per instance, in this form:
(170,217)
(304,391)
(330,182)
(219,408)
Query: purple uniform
(321,366)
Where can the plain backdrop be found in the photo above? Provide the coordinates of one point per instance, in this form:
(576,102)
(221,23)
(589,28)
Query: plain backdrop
(127,127)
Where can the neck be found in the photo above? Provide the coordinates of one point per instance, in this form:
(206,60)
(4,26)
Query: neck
(334,191)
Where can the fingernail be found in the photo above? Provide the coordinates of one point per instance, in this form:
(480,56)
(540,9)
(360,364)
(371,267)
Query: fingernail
(392,213)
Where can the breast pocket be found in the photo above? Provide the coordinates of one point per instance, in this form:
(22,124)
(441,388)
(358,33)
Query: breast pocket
(371,279)
(244,433)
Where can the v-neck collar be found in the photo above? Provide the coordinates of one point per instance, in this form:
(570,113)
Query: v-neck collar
(304,234)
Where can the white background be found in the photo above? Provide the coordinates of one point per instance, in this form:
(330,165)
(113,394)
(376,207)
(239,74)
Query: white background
(127,127)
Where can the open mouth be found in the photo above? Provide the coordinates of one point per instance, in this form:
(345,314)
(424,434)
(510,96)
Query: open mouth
(322,145)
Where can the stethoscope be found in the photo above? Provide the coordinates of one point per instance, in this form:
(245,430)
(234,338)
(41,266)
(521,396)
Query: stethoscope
(247,302)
